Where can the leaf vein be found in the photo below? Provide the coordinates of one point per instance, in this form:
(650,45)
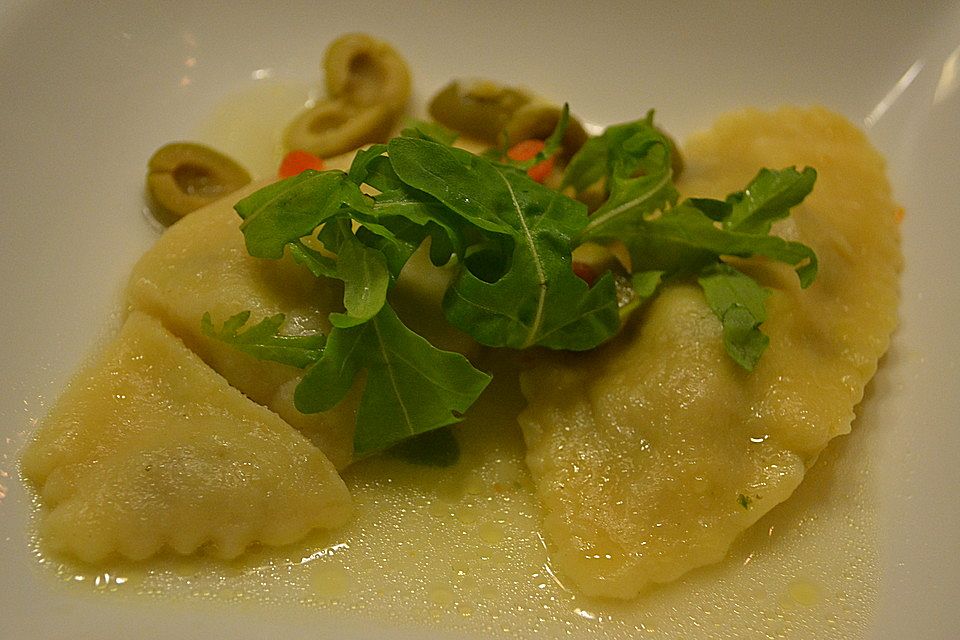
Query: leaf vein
(391,375)
(538,264)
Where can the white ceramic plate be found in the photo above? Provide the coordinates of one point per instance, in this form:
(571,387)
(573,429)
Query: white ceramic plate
(89,90)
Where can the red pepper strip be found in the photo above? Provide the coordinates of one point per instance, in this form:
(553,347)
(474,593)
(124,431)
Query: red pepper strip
(296,162)
(528,149)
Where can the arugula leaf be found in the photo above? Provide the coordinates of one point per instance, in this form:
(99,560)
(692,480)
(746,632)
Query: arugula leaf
(411,216)
(667,240)
(288,210)
(682,240)
(592,163)
(400,215)
(511,240)
(646,283)
(768,197)
(365,277)
(738,300)
(538,300)
(411,386)
(639,178)
(454,177)
(366,162)
(320,265)
(633,161)
(554,141)
(263,340)
(433,131)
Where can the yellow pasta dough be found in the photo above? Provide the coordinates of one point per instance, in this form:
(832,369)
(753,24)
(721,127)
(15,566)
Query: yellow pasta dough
(150,449)
(651,454)
(201,265)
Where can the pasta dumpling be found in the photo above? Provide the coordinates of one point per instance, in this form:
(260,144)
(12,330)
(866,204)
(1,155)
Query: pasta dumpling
(150,449)
(651,454)
(201,265)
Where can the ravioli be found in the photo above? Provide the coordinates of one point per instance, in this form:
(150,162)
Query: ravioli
(149,449)
(201,265)
(651,454)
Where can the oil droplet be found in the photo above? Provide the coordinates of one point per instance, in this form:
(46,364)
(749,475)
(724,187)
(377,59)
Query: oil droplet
(108,580)
(438,509)
(804,593)
(467,514)
(490,532)
(441,595)
(330,582)
(450,492)
(474,486)
(583,613)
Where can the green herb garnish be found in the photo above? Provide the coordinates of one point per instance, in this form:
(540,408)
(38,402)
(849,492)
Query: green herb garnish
(264,341)
(511,241)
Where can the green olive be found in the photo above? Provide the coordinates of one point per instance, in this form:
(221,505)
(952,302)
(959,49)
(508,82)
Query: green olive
(478,108)
(365,71)
(184,176)
(537,120)
(368,85)
(333,127)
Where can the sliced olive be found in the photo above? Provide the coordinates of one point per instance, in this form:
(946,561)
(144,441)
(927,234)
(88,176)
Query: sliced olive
(477,108)
(369,87)
(184,176)
(365,71)
(333,127)
(537,120)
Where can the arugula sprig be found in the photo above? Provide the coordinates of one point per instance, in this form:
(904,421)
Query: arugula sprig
(519,289)
(669,240)
(264,341)
(511,241)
